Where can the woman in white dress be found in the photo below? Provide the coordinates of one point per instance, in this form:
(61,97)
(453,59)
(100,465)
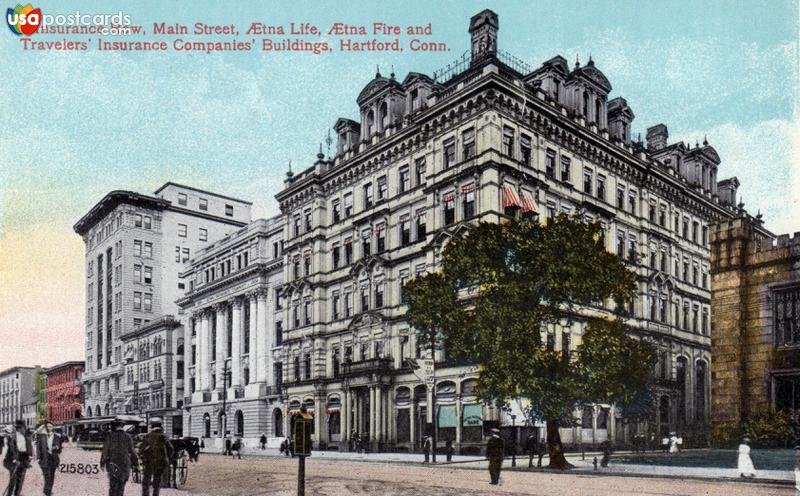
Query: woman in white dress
(745,463)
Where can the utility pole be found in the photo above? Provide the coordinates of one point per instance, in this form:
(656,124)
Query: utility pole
(224,404)
(433,393)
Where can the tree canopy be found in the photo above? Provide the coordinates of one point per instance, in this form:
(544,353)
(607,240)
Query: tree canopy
(499,290)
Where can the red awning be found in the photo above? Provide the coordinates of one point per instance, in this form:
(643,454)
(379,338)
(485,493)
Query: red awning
(468,188)
(528,205)
(380,227)
(510,197)
(448,196)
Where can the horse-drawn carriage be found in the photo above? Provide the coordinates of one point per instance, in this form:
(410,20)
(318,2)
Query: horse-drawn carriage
(183,450)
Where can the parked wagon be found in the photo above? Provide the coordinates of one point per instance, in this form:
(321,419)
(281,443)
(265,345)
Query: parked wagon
(184,450)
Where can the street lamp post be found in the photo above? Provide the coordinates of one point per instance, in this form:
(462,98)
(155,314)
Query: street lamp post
(514,444)
(224,404)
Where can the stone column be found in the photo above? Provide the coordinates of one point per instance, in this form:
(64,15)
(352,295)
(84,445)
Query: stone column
(378,415)
(371,413)
(269,337)
(345,416)
(205,371)
(261,339)
(412,416)
(318,414)
(222,346)
(459,409)
(236,345)
(612,424)
(252,360)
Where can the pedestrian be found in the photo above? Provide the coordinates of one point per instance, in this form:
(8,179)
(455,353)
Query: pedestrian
(673,443)
(228,446)
(495,449)
(448,450)
(237,447)
(18,458)
(530,447)
(156,453)
(263,441)
(48,449)
(426,448)
(117,458)
(606,454)
(745,463)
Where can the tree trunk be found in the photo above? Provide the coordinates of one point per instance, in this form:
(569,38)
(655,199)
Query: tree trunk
(554,447)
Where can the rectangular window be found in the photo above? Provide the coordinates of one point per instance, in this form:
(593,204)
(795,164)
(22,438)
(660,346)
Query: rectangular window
(335,306)
(203,203)
(685,228)
(182,199)
(508,141)
(335,253)
(137,300)
(203,234)
(565,166)
(148,302)
(148,249)
(550,164)
(137,220)
(620,198)
(229,210)
(336,207)
(621,245)
(601,187)
(449,205)
(422,229)
(348,251)
(307,312)
(632,201)
(587,181)
(631,248)
(651,213)
(380,233)
(695,227)
(185,255)
(383,189)
(137,273)
(449,153)
(420,171)
(468,200)
(148,222)
(182,230)
(525,149)
(405,179)
(137,248)
(364,298)
(367,196)
(307,219)
(379,295)
(148,275)
(348,303)
(405,230)
(296,224)
(468,143)
(348,204)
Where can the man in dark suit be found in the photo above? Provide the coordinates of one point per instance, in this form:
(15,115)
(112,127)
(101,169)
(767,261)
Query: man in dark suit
(117,459)
(156,452)
(48,449)
(495,449)
(18,457)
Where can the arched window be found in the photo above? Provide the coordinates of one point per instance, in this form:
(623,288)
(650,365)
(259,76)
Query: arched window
(598,111)
(384,114)
(700,391)
(277,422)
(206,425)
(681,370)
(239,423)
(370,123)
(586,104)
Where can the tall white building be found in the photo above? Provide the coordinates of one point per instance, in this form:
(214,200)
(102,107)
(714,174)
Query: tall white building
(233,328)
(488,139)
(136,246)
(17,388)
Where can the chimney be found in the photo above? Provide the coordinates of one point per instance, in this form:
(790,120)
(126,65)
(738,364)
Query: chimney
(657,137)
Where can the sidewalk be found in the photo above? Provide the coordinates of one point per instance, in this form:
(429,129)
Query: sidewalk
(581,466)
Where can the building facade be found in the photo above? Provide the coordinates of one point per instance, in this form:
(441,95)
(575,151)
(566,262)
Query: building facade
(63,395)
(153,360)
(136,246)
(488,139)
(756,326)
(233,330)
(17,387)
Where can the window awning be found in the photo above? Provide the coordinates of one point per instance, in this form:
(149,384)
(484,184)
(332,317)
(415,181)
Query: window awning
(448,196)
(528,205)
(510,197)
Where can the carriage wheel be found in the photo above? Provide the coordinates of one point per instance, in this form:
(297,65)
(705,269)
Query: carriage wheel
(181,468)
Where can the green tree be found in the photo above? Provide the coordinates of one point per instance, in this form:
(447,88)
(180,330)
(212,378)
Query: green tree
(499,288)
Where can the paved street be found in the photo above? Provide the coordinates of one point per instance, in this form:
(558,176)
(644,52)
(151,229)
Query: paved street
(221,476)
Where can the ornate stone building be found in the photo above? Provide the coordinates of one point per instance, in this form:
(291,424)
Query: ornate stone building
(233,328)
(136,246)
(756,325)
(487,139)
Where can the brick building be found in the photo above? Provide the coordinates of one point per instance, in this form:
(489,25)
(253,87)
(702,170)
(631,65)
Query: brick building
(17,388)
(755,315)
(64,400)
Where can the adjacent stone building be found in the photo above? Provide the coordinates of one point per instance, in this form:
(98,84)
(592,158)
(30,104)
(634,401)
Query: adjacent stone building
(755,325)
(487,139)
(233,330)
(136,247)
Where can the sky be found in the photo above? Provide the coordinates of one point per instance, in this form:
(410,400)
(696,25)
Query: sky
(79,124)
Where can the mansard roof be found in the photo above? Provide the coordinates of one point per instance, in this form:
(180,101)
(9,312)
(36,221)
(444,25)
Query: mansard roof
(377,85)
(593,74)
